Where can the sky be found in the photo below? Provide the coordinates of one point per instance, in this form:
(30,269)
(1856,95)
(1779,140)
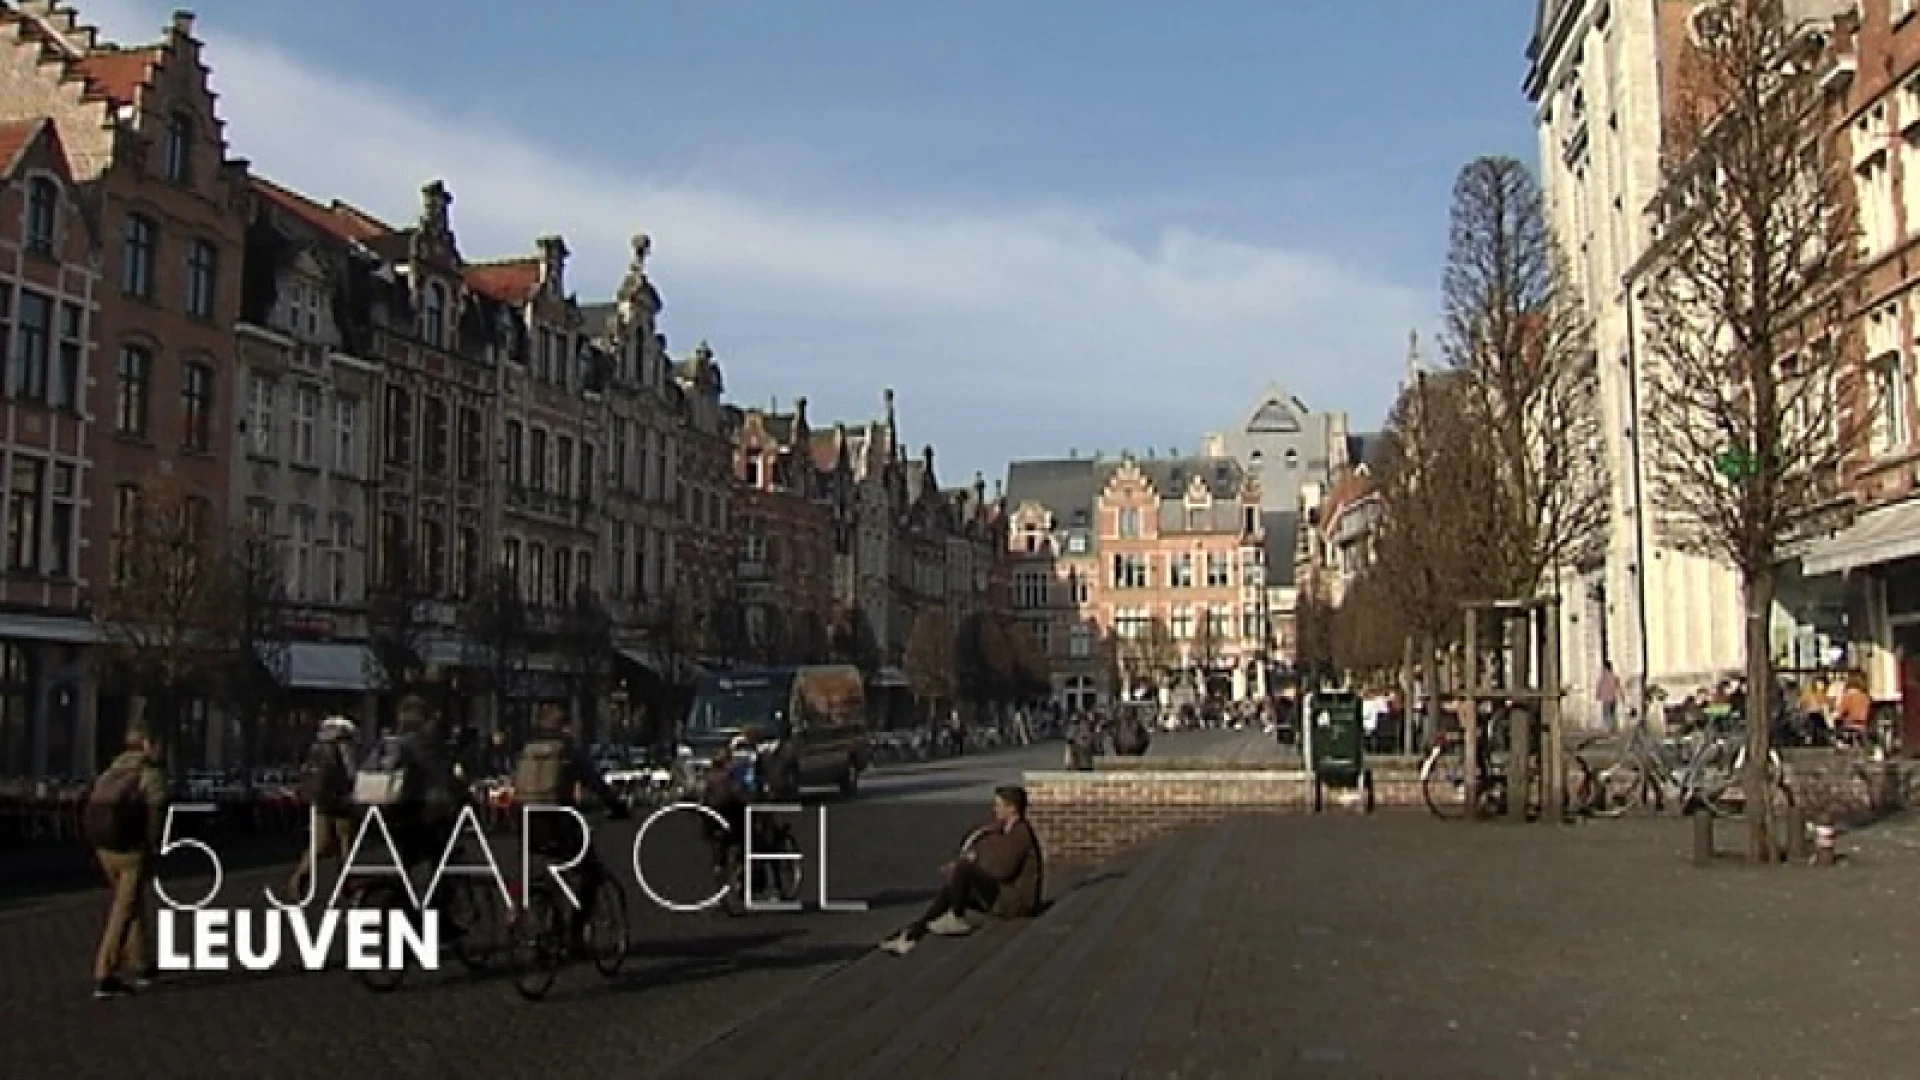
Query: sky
(1052,227)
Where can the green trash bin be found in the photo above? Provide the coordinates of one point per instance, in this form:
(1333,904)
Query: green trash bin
(1335,746)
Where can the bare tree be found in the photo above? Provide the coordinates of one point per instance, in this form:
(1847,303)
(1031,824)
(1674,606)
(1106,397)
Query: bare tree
(398,623)
(586,641)
(983,659)
(1204,652)
(1033,670)
(1313,632)
(1518,337)
(1367,633)
(1745,288)
(254,676)
(852,640)
(1147,657)
(930,661)
(167,612)
(499,632)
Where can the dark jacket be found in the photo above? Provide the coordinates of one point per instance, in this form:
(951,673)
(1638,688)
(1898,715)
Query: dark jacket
(153,793)
(1012,858)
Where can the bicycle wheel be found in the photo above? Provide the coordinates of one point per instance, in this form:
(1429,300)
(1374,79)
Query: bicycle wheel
(785,875)
(607,937)
(1443,782)
(540,944)
(1619,787)
(475,918)
(381,895)
(1583,791)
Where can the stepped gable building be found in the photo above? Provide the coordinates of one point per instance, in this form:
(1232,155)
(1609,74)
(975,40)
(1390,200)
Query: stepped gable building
(48,282)
(784,527)
(146,156)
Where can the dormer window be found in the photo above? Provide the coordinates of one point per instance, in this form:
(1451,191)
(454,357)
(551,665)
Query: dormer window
(434,315)
(43,214)
(179,148)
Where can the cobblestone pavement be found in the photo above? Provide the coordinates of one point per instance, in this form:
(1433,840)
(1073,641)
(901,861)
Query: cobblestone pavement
(690,977)
(1395,946)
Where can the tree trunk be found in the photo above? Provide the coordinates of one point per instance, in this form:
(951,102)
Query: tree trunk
(1759,593)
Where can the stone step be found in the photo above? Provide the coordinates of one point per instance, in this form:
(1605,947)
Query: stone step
(884,1016)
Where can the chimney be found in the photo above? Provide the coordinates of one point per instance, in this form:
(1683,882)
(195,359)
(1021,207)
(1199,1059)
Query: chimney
(553,264)
(800,411)
(926,455)
(1073,453)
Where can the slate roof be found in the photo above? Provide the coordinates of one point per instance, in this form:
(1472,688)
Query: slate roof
(1065,487)
(1283,532)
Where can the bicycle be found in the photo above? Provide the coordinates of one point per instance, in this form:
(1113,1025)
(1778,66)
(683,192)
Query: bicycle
(782,876)
(1443,777)
(542,932)
(468,910)
(1650,774)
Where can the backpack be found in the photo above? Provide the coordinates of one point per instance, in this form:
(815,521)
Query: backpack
(383,776)
(326,782)
(114,817)
(544,774)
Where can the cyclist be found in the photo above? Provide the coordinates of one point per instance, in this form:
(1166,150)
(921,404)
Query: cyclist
(552,772)
(733,783)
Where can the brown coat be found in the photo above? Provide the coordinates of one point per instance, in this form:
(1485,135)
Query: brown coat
(1013,859)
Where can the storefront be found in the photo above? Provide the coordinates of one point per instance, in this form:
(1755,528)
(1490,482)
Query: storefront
(44,676)
(1879,556)
(320,679)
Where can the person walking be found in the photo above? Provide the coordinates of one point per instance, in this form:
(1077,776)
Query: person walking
(123,819)
(327,783)
(1607,693)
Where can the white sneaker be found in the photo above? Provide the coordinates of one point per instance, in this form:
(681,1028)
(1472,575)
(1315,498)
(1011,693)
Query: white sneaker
(898,945)
(950,925)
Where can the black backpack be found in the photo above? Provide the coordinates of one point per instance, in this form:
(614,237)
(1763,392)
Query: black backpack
(325,781)
(114,816)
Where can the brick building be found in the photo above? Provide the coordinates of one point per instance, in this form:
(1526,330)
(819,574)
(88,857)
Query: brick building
(1102,550)
(147,157)
(783,526)
(700,551)
(47,286)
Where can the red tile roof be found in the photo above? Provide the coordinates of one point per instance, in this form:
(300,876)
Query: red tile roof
(118,75)
(338,221)
(510,281)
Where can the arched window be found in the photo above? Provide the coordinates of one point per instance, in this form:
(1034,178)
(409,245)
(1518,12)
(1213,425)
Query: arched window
(43,214)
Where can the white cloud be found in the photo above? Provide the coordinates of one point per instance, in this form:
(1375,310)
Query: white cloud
(1017,332)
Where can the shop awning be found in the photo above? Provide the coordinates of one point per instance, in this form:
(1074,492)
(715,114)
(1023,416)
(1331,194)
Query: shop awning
(335,666)
(1880,535)
(55,628)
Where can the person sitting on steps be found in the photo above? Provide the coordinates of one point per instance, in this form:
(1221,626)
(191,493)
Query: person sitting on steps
(999,871)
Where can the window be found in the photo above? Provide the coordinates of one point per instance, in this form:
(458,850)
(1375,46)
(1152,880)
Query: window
(1131,623)
(32,347)
(434,315)
(437,435)
(393,549)
(1080,642)
(1030,590)
(67,366)
(473,445)
(1042,632)
(622,436)
(126,525)
(537,461)
(260,394)
(25,491)
(260,519)
(1249,520)
(583,571)
(179,148)
(399,426)
(1219,573)
(536,575)
(43,215)
(1180,571)
(196,403)
(306,421)
(466,561)
(1182,624)
(1129,523)
(346,436)
(133,380)
(1077,543)
(1220,623)
(1889,404)
(618,552)
(202,276)
(63,522)
(563,466)
(300,567)
(510,556)
(139,248)
(337,551)
(562,577)
(433,555)
(1129,571)
(1030,538)
(586,473)
(516,460)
